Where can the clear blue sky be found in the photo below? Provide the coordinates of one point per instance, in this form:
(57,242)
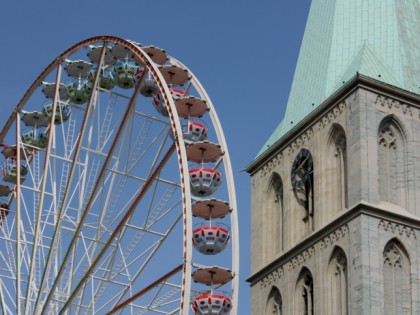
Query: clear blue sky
(243,52)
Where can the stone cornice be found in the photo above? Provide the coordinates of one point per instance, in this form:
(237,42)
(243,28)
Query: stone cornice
(301,258)
(312,239)
(300,141)
(272,277)
(294,263)
(358,81)
(334,113)
(397,229)
(333,237)
(387,104)
(268,167)
(304,256)
(304,137)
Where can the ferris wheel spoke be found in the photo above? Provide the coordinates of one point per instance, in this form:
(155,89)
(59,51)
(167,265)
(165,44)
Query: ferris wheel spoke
(145,290)
(84,213)
(40,204)
(75,158)
(152,217)
(10,260)
(134,158)
(7,268)
(121,213)
(113,268)
(18,221)
(148,253)
(4,292)
(115,274)
(93,243)
(105,134)
(163,299)
(113,235)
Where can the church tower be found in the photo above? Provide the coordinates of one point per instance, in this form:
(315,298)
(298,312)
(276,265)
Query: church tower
(336,188)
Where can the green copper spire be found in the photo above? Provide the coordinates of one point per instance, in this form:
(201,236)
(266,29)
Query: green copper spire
(376,38)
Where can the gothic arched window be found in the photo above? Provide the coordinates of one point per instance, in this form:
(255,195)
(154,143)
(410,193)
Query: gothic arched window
(336,171)
(396,275)
(391,163)
(337,276)
(274,218)
(274,303)
(304,294)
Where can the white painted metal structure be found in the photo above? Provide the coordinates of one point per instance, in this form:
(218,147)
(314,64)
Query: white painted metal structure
(103,221)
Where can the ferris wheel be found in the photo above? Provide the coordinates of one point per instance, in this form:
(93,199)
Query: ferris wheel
(116,192)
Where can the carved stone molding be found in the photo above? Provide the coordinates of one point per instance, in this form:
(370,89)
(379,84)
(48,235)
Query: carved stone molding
(271,278)
(334,237)
(387,104)
(406,109)
(298,260)
(300,141)
(270,165)
(396,228)
(331,115)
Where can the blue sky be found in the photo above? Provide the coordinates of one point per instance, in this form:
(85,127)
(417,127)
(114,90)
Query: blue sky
(243,52)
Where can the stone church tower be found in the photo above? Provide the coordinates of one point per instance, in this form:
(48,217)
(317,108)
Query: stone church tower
(336,188)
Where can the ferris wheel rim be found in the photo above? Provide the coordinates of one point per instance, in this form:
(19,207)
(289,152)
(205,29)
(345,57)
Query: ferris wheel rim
(230,179)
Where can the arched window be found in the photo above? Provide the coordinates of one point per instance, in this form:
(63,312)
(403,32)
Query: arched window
(391,163)
(274,218)
(302,177)
(274,303)
(304,294)
(335,171)
(396,274)
(337,276)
